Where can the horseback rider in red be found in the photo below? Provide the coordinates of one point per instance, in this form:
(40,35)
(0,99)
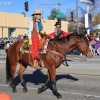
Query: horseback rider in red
(58,32)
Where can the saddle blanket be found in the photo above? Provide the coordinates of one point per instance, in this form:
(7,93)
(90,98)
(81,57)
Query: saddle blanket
(25,48)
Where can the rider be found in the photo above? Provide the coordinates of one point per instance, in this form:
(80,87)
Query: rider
(35,29)
(58,31)
(58,34)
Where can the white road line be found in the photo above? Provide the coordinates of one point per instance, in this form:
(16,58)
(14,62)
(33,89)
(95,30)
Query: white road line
(81,94)
(3,62)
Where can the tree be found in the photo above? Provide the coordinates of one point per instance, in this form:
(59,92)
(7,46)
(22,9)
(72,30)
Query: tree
(96,20)
(55,11)
(68,13)
(96,31)
(23,13)
(95,11)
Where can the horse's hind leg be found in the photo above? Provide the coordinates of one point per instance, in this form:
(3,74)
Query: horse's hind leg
(45,84)
(20,73)
(13,69)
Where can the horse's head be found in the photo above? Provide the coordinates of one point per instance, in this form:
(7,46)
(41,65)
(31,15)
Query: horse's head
(84,46)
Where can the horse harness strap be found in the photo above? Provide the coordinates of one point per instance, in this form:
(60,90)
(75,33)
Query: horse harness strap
(61,55)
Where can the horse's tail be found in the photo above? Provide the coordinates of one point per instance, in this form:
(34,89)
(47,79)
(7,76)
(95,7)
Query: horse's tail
(8,70)
(6,51)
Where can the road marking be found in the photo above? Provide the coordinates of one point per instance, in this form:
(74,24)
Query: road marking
(74,93)
(3,62)
(63,73)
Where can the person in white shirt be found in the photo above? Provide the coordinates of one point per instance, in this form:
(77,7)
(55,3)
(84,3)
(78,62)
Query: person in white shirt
(35,28)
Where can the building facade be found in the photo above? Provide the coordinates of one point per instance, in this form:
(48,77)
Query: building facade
(14,25)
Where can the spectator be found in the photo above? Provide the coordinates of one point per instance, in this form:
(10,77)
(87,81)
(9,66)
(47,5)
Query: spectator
(97,38)
(92,37)
(97,47)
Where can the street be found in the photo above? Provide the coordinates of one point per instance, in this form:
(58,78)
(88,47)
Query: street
(79,81)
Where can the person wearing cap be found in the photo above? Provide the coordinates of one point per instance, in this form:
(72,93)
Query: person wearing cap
(35,29)
(58,32)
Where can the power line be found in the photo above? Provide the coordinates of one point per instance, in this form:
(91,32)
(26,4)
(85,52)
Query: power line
(44,4)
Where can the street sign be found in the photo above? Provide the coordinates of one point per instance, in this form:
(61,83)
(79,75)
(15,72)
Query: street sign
(59,15)
(90,2)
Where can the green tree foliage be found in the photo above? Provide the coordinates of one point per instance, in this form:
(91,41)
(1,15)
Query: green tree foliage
(24,14)
(96,31)
(53,12)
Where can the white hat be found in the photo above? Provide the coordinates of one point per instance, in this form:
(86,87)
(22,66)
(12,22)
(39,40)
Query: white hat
(36,12)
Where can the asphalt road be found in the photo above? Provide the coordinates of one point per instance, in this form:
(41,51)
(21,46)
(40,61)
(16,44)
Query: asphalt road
(79,81)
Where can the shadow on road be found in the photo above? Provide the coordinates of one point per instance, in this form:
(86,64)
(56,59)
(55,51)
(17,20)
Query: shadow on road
(38,77)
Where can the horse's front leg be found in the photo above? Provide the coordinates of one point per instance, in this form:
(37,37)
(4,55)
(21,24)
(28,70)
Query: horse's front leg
(20,73)
(66,64)
(45,84)
(52,71)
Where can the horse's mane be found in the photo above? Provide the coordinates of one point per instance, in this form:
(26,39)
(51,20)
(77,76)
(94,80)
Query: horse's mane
(67,37)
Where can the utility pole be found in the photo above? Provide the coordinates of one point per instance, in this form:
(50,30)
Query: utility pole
(59,6)
(77,15)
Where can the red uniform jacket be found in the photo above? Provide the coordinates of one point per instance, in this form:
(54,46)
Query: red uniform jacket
(63,33)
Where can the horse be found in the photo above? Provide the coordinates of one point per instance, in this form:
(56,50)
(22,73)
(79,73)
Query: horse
(56,51)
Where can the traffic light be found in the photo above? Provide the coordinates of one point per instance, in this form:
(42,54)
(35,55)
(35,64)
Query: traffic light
(26,6)
(72,17)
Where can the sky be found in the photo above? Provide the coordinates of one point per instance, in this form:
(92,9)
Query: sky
(17,6)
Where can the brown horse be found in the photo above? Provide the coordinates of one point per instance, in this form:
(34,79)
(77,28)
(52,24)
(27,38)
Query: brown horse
(57,50)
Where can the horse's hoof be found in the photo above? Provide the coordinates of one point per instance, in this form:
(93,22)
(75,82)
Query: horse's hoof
(58,96)
(24,90)
(67,65)
(14,90)
(39,90)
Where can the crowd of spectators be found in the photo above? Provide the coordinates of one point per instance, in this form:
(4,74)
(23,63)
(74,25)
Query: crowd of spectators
(94,40)
(95,43)
(7,40)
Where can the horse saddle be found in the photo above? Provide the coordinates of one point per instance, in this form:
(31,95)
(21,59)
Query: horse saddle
(43,43)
